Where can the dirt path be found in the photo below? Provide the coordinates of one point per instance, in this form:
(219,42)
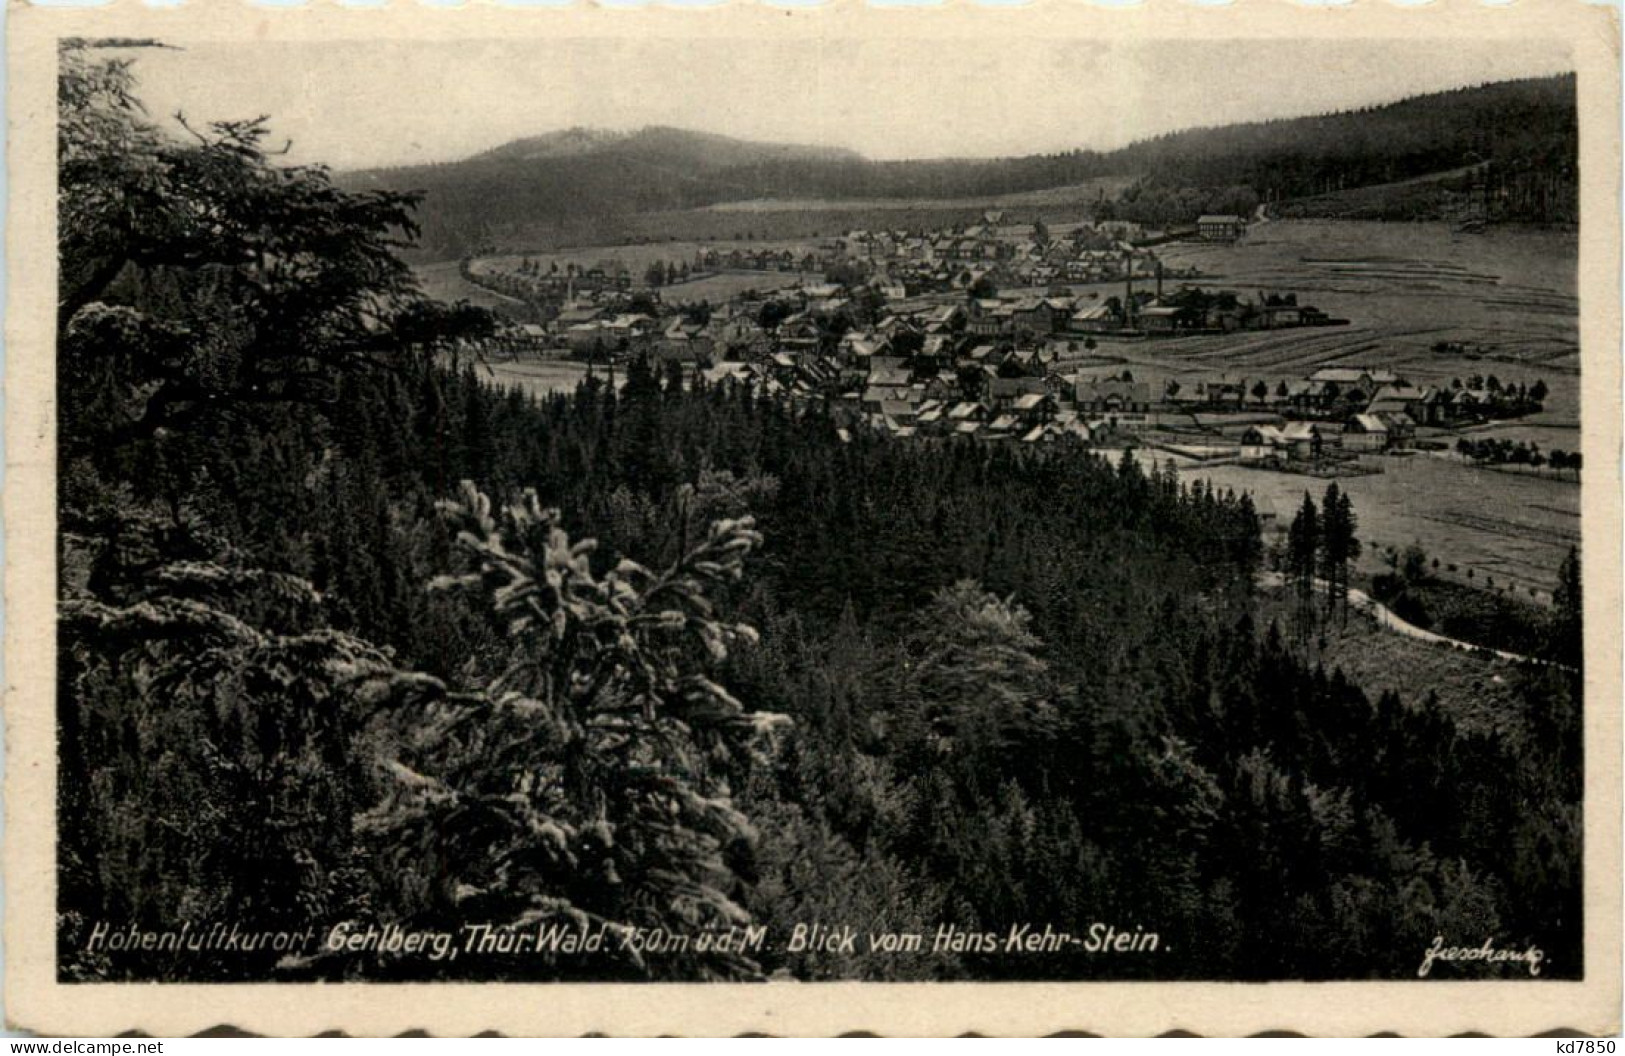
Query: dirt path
(1386,618)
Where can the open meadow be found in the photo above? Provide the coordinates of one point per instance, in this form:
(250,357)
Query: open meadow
(1074,194)
(540,377)
(637,256)
(714,286)
(801,218)
(444,282)
(718,287)
(1509,529)
(785,219)
(1507,296)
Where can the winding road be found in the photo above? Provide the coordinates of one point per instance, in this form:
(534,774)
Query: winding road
(1386,618)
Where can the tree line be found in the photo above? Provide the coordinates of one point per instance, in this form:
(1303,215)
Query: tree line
(1500,451)
(1321,547)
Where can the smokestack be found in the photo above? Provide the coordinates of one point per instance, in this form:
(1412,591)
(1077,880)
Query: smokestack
(1128,279)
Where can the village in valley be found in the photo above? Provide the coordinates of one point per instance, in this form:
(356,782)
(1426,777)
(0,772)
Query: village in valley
(1002,332)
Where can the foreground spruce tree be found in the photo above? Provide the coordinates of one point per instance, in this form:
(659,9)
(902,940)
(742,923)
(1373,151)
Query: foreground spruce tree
(231,749)
(584,784)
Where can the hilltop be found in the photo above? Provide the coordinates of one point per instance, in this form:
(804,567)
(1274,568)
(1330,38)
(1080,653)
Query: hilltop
(654,144)
(1518,139)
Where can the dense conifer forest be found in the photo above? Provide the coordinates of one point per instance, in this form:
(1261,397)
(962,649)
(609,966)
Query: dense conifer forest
(350,637)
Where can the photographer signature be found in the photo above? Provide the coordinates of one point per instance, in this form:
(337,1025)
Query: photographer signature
(1487,953)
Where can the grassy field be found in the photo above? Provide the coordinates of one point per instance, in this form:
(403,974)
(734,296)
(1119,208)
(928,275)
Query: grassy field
(540,377)
(710,225)
(1071,194)
(637,256)
(1512,529)
(1403,287)
(767,220)
(1539,429)
(726,285)
(771,225)
(782,219)
(444,282)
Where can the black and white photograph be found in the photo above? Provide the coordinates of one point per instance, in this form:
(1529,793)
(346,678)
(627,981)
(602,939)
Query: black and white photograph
(820,510)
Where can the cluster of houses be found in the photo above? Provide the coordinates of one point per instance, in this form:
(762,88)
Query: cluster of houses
(744,258)
(1016,369)
(962,257)
(1030,398)
(909,335)
(1349,410)
(903,396)
(531,284)
(815,317)
(912,363)
(899,263)
(905,263)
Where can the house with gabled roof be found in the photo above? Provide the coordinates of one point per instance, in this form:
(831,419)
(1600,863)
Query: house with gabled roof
(1369,379)
(1004,392)
(875,395)
(1110,395)
(1366,432)
(889,370)
(727,373)
(1261,443)
(1220,227)
(1095,319)
(1400,399)
(1401,428)
(1034,408)
(943,319)
(1309,439)
(859,348)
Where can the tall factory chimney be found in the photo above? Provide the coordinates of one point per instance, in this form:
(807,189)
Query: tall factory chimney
(1128,295)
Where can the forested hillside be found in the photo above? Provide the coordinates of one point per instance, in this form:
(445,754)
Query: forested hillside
(349,638)
(1523,134)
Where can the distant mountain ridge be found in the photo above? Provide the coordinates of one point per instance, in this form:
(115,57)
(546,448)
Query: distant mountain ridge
(564,143)
(1523,134)
(702,149)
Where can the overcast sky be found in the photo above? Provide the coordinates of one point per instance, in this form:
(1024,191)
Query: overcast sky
(353,104)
